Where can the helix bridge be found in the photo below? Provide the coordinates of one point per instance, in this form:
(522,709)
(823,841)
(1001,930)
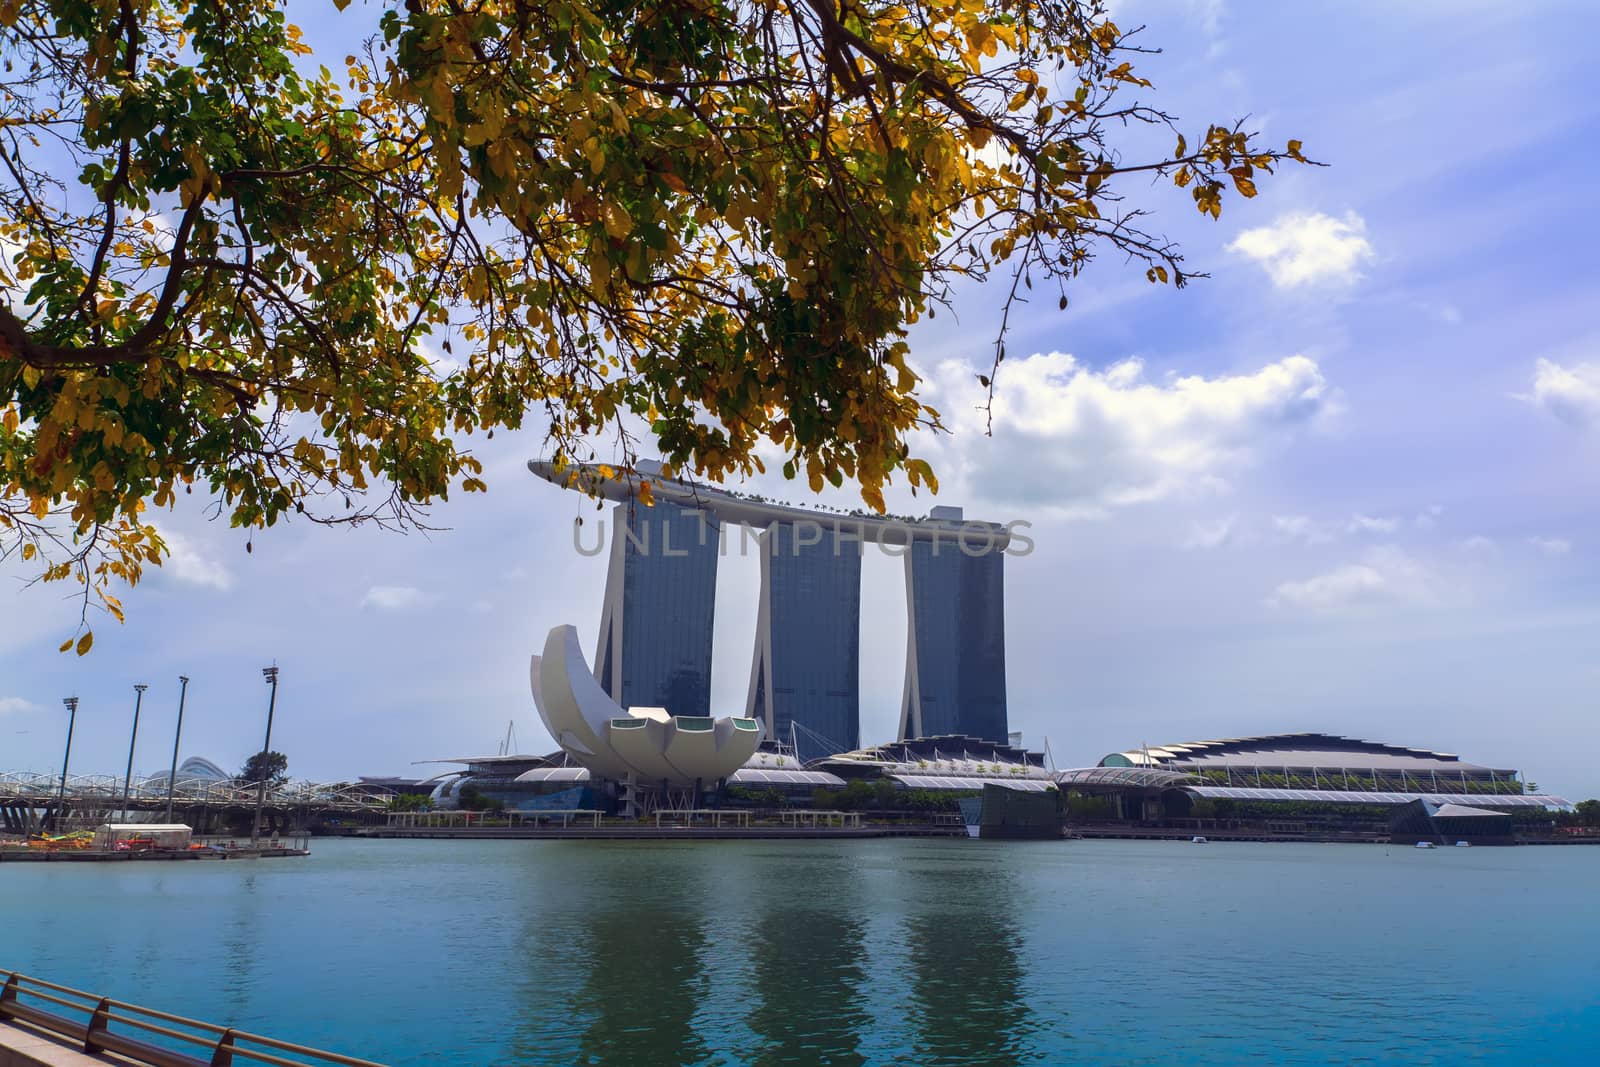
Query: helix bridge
(32,802)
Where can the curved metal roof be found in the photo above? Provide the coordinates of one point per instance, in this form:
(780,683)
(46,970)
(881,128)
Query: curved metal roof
(1299,750)
(554,774)
(946,782)
(757,776)
(950,755)
(1340,796)
(200,767)
(1132,777)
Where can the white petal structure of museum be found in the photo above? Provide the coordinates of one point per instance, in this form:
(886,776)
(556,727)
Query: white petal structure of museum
(648,743)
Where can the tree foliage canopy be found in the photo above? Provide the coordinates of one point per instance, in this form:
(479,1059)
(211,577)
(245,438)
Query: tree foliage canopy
(272,767)
(303,288)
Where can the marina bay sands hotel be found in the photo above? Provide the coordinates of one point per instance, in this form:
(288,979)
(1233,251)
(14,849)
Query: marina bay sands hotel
(805,681)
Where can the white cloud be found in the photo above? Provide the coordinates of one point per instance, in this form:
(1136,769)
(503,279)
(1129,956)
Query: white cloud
(1305,249)
(1209,534)
(392,597)
(188,563)
(1315,532)
(1571,394)
(1367,524)
(442,364)
(1301,528)
(16,705)
(1385,577)
(1477,543)
(1081,442)
(1426,519)
(1551,546)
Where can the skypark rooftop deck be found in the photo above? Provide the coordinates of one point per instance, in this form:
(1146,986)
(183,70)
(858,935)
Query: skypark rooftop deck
(943,524)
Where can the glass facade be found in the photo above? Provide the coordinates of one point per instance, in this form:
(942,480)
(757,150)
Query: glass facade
(655,649)
(811,608)
(958,626)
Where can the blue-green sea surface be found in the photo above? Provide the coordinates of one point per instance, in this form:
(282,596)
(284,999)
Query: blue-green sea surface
(918,952)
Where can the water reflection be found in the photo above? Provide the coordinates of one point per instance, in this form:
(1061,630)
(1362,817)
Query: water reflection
(963,949)
(809,963)
(818,955)
(644,983)
(238,955)
(615,948)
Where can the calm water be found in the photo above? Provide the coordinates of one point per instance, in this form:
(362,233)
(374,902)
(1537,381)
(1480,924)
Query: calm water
(867,952)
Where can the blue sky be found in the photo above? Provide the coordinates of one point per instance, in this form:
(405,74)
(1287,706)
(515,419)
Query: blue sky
(1347,484)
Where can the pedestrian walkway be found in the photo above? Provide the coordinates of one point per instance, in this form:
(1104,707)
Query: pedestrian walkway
(23,1047)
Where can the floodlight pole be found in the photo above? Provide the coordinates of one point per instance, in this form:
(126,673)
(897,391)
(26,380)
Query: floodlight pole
(72,710)
(271,676)
(127,781)
(177,735)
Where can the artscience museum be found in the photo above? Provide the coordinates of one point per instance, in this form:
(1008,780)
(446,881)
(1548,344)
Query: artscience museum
(649,752)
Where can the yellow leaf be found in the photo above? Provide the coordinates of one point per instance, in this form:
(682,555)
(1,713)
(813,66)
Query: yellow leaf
(29,551)
(618,224)
(85,643)
(65,645)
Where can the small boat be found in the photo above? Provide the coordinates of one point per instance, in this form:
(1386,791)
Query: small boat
(1198,840)
(1426,844)
(1463,844)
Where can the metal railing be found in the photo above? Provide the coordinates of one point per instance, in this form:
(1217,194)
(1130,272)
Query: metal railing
(808,817)
(468,820)
(220,1044)
(682,818)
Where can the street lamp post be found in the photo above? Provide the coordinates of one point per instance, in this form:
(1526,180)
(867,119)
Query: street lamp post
(127,781)
(72,710)
(271,676)
(177,735)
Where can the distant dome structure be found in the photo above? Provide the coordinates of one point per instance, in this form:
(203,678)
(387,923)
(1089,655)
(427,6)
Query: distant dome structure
(200,767)
(646,747)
